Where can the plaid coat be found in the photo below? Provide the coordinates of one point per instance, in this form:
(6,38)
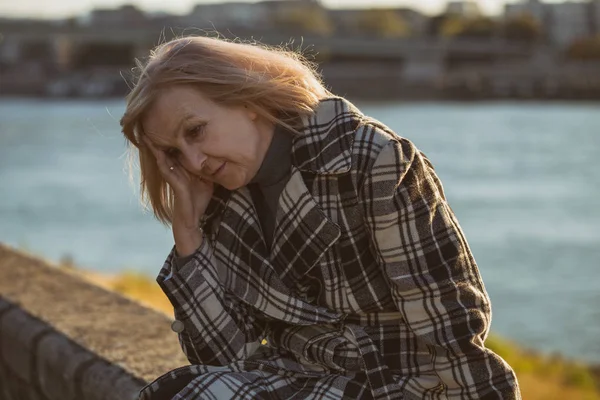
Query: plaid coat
(369,291)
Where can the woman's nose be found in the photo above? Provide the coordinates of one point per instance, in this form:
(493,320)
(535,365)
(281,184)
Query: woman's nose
(193,160)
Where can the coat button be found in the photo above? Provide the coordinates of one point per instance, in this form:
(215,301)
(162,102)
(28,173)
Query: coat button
(177,326)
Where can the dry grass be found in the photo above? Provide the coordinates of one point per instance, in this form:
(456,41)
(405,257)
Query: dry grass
(133,285)
(534,387)
(547,377)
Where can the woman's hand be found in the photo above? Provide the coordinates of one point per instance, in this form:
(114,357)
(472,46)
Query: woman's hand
(192,196)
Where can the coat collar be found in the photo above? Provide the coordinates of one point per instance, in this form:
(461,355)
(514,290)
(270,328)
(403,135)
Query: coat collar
(324,145)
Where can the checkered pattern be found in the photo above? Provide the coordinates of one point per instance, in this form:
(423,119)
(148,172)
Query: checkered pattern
(369,291)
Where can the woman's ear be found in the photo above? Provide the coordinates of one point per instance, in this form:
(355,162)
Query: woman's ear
(252,114)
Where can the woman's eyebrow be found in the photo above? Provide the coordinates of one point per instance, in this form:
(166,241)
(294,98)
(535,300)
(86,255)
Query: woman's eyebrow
(157,140)
(183,120)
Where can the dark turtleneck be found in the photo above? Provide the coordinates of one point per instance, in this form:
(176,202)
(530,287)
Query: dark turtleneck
(271,178)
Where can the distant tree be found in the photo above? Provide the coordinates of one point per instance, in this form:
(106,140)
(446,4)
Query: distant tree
(383,23)
(480,27)
(435,23)
(585,49)
(310,19)
(450,25)
(523,28)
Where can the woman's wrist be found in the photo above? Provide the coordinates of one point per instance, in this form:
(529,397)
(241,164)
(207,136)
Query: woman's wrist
(186,243)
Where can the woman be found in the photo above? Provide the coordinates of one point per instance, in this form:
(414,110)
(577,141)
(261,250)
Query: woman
(315,254)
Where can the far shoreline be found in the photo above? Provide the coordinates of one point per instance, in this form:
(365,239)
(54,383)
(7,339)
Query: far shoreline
(366,100)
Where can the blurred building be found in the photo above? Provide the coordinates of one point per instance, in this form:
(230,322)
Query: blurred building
(595,16)
(9,51)
(534,8)
(562,22)
(228,14)
(417,21)
(128,15)
(260,15)
(347,21)
(568,21)
(464,8)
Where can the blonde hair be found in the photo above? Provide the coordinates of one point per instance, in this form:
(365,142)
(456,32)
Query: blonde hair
(279,85)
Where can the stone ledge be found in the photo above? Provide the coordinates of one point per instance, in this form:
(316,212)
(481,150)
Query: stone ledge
(63,338)
(40,362)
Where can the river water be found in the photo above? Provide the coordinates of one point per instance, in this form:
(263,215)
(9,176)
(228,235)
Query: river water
(523,179)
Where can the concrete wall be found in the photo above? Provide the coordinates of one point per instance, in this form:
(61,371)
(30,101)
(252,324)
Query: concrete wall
(62,338)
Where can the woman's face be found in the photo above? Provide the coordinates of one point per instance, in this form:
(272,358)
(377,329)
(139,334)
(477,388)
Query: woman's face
(224,145)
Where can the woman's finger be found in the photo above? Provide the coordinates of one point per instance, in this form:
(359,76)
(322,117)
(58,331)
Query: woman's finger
(161,158)
(158,155)
(169,170)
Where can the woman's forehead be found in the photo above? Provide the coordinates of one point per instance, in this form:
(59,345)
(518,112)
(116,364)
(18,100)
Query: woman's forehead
(159,127)
(163,122)
(159,138)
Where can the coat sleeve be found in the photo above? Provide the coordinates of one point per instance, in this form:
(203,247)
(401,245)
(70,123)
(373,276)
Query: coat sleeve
(217,328)
(434,279)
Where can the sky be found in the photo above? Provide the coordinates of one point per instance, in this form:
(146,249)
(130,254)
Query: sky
(64,8)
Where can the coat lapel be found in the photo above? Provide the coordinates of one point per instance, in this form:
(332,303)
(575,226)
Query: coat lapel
(303,233)
(245,268)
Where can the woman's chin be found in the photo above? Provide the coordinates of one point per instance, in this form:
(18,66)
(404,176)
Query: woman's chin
(233,181)
(232,184)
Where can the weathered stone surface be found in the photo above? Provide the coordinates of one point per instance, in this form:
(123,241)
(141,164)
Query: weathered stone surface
(124,387)
(76,338)
(57,356)
(17,333)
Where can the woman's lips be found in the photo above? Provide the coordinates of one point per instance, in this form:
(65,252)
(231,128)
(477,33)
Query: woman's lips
(219,169)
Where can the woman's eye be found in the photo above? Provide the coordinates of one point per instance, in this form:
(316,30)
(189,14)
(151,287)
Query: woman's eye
(195,131)
(171,152)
